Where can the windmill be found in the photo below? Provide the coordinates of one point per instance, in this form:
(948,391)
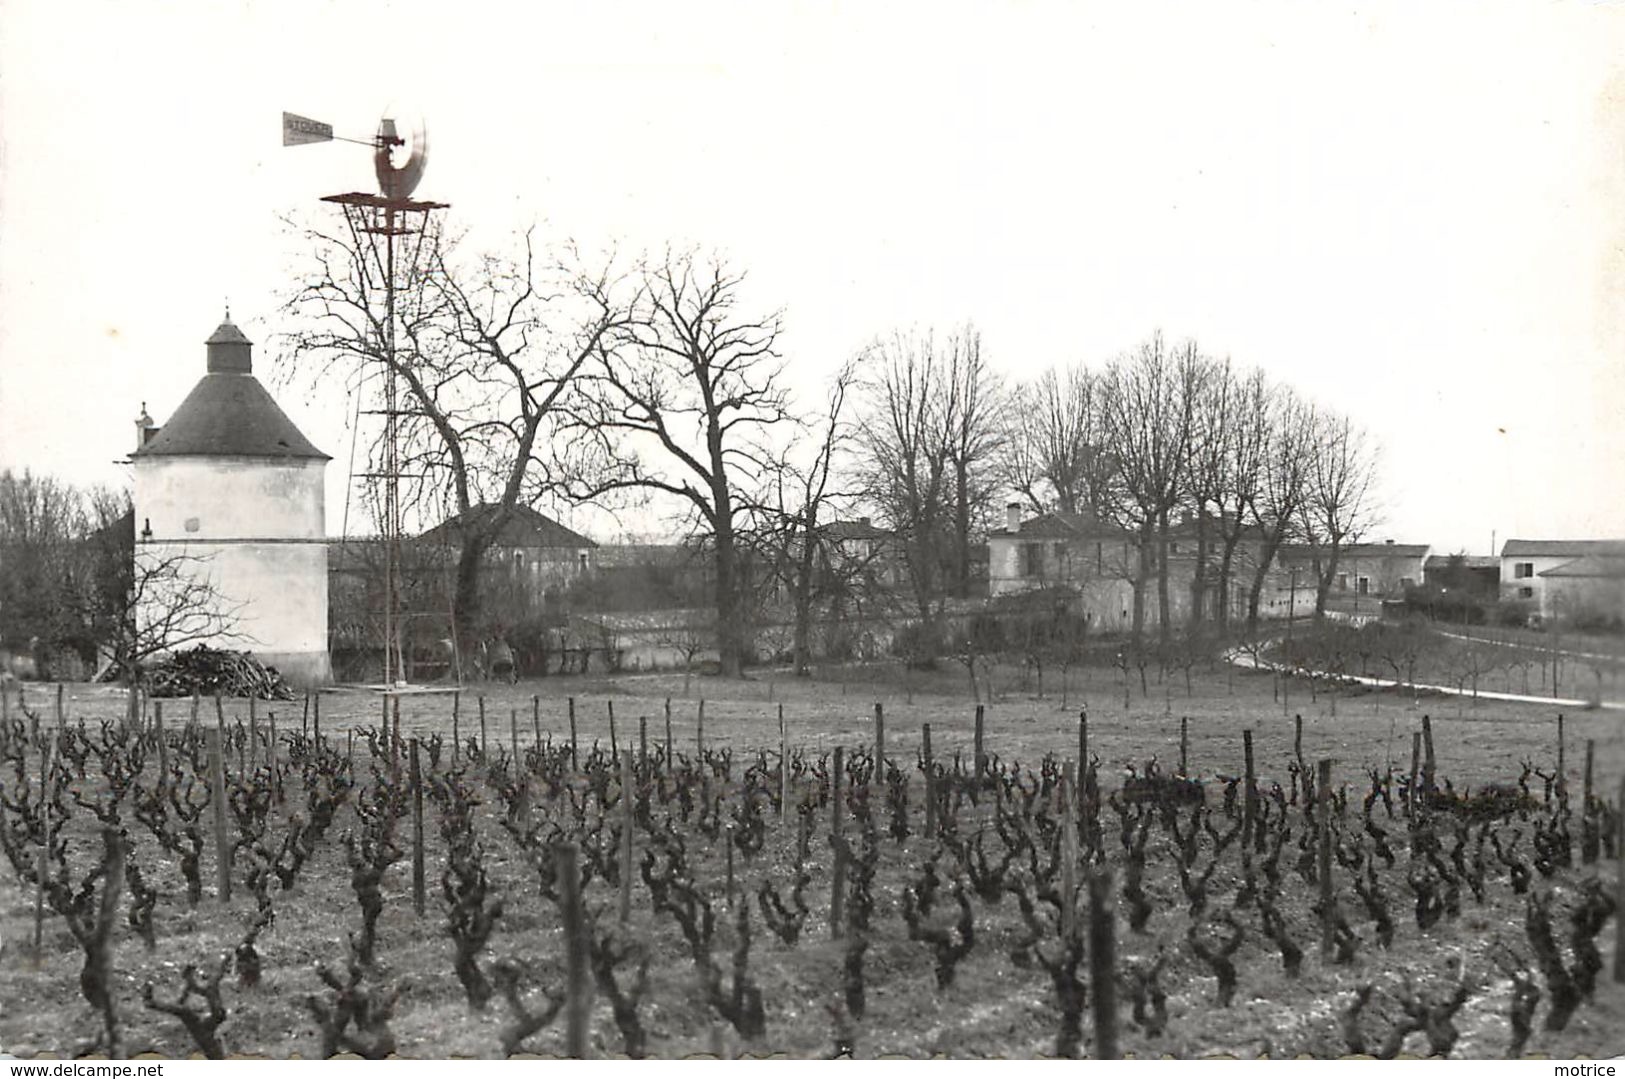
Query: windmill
(388,229)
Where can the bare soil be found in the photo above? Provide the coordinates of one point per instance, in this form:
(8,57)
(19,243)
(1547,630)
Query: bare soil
(993,1008)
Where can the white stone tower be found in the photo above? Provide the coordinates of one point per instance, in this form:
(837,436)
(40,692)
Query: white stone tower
(230,492)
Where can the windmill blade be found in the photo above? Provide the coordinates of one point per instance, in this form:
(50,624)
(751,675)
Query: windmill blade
(399,183)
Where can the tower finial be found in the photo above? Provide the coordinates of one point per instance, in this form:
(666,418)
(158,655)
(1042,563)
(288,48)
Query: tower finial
(228,308)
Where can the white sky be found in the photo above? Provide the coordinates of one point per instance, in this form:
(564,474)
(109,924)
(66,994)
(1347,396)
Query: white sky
(1415,213)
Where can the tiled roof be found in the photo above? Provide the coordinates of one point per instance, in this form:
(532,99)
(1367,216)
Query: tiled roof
(525,527)
(1603,566)
(229,415)
(1386,550)
(1514,548)
(1064,526)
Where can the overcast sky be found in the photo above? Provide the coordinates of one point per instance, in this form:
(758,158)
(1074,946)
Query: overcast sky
(1413,213)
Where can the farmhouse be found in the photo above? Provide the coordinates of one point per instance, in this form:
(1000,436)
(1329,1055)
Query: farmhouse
(1565,580)
(1377,570)
(230,495)
(1068,550)
(533,550)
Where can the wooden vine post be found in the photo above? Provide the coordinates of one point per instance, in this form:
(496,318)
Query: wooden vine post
(1103,963)
(577,990)
(419,888)
(456,726)
(1249,791)
(1429,761)
(1069,853)
(513,738)
(163,744)
(1184,745)
(253,734)
(628,816)
(315,719)
(614,744)
(1416,765)
(270,759)
(837,801)
(482,728)
(536,719)
(1562,762)
(1619,890)
(575,762)
(930,783)
(47,776)
(668,733)
(784,768)
(217,784)
(699,730)
(880,743)
(979,757)
(1323,821)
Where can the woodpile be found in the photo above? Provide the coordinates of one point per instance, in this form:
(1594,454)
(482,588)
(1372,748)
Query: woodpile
(209,671)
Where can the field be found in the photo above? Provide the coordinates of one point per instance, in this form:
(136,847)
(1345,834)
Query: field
(962,944)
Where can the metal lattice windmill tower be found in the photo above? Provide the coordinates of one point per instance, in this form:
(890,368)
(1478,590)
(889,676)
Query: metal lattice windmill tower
(388,229)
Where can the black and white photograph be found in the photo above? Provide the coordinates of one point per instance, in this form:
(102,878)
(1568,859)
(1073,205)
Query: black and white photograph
(823,530)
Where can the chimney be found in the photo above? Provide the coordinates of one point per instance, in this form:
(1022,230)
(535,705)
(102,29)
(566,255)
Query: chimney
(863,521)
(1012,518)
(1389,542)
(143,427)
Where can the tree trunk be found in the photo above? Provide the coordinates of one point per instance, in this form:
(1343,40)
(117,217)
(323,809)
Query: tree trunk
(1323,586)
(730,630)
(1142,577)
(1199,575)
(1164,613)
(1271,545)
(962,529)
(1226,569)
(465,605)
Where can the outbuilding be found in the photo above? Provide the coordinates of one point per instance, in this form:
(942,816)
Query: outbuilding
(230,495)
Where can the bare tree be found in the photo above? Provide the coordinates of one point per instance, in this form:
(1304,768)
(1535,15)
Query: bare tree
(684,405)
(1147,410)
(904,445)
(1285,464)
(804,555)
(173,602)
(484,349)
(1052,453)
(1241,420)
(1340,502)
(973,407)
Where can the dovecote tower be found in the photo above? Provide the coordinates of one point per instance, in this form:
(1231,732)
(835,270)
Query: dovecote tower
(230,492)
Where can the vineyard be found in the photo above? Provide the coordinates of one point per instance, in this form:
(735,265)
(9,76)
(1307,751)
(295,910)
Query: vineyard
(482,879)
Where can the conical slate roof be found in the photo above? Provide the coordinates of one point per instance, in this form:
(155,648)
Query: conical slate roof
(228,413)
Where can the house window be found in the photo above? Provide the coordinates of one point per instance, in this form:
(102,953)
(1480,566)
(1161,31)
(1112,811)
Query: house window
(581,560)
(518,562)
(1173,548)
(1407,582)
(1523,569)
(1363,585)
(1342,582)
(1526,592)
(1032,559)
